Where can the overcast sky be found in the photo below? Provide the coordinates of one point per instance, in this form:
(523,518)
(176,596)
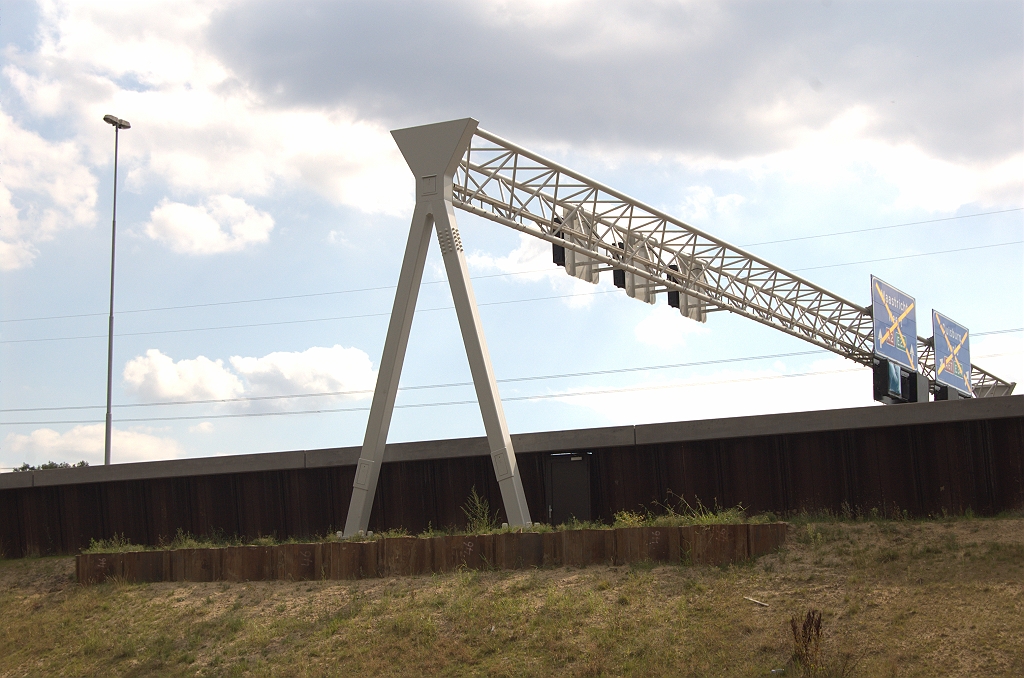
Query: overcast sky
(263,207)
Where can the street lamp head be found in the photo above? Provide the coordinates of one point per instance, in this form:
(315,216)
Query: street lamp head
(117,122)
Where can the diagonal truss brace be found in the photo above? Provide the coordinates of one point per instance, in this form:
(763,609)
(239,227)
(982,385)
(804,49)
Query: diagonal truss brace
(510,185)
(433,152)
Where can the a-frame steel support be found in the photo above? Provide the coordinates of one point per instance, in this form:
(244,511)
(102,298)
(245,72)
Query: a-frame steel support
(433,153)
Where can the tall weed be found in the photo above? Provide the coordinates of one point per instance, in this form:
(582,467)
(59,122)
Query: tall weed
(479,519)
(116,544)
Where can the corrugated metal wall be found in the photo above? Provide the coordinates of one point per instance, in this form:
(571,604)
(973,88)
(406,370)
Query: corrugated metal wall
(923,469)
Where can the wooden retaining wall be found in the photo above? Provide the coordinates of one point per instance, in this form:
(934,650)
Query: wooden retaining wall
(710,545)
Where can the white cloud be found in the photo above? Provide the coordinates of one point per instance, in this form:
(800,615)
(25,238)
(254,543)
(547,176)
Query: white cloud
(315,370)
(156,376)
(337,237)
(843,152)
(746,77)
(213,110)
(531,261)
(196,125)
(45,188)
(17,254)
(664,327)
(700,202)
(223,224)
(830,383)
(86,443)
(202,427)
(1002,355)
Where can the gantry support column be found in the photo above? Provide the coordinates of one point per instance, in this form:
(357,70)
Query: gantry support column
(433,153)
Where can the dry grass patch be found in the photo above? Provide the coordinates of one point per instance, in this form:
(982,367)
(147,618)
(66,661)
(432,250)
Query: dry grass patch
(895,599)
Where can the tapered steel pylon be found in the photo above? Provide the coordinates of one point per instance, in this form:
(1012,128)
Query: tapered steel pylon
(433,153)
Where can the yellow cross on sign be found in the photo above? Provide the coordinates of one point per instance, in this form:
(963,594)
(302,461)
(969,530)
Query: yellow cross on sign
(952,357)
(895,326)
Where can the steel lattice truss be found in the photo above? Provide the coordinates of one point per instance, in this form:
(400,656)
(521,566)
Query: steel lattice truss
(512,186)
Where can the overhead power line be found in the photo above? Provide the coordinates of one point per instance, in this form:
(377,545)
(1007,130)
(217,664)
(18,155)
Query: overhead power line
(882,228)
(424,386)
(910,256)
(455,402)
(260,299)
(543,396)
(1006,331)
(495,275)
(301,320)
(448,308)
(592,373)
(213,303)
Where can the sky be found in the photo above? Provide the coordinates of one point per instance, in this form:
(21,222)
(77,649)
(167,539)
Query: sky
(263,208)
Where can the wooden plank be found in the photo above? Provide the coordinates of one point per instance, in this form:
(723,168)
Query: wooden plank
(368,559)
(519,550)
(656,543)
(720,544)
(403,556)
(345,558)
(599,546)
(145,566)
(480,552)
(96,568)
(767,538)
(198,564)
(629,545)
(295,562)
(552,544)
(247,563)
(573,548)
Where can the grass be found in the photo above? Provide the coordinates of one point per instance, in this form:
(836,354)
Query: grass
(182,540)
(895,598)
(682,513)
(479,520)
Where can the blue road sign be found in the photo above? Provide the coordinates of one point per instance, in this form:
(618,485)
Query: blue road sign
(895,324)
(952,353)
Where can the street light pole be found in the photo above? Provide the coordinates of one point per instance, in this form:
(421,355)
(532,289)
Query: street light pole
(119,125)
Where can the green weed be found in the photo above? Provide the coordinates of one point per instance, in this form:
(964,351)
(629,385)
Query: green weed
(479,519)
(116,544)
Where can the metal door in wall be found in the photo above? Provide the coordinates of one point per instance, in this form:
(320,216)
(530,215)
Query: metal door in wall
(567,483)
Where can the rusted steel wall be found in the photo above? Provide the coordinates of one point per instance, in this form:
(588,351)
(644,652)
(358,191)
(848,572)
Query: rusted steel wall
(922,469)
(712,545)
(401,556)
